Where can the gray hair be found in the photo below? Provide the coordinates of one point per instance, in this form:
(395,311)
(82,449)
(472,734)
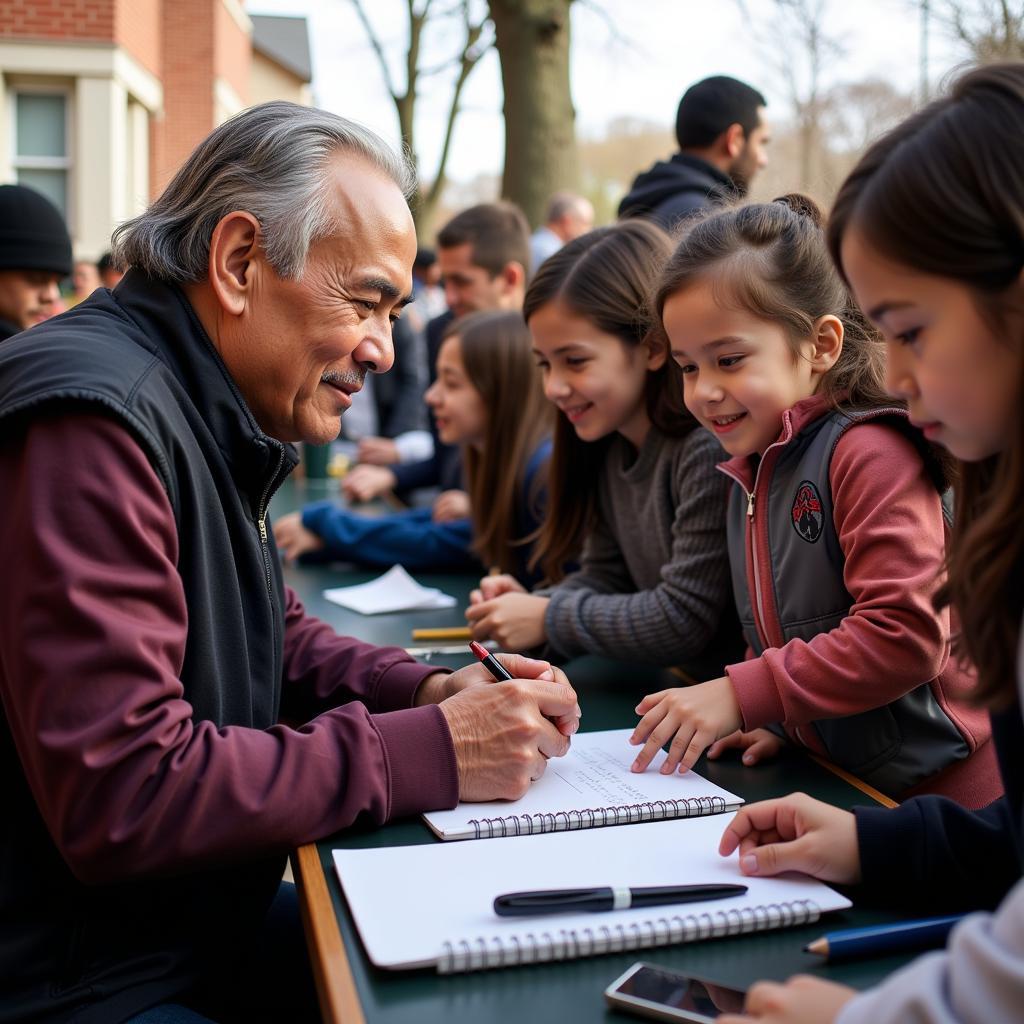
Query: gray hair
(270,160)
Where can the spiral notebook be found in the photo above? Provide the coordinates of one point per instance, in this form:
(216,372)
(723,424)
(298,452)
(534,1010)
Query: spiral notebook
(589,787)
(432,906)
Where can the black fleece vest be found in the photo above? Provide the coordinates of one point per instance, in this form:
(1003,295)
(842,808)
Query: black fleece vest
(892,747)
(140,356)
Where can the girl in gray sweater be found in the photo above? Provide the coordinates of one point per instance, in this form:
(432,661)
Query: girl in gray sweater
(632,477)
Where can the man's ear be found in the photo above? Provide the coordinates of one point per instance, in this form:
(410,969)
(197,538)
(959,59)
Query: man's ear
(735,140)
(513,275)
(827,344)
(234,249)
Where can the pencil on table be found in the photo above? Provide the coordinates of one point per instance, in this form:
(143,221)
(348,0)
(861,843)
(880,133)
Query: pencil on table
(443,633)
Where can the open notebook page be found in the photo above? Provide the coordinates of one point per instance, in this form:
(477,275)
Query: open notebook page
(413,904)
(583,789)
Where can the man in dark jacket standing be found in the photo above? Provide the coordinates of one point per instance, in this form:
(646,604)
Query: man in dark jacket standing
(35,253)
(149,648)
(722,140)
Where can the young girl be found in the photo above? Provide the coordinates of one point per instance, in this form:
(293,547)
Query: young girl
(930,234)
(487,398)
(835,522)
(631,475)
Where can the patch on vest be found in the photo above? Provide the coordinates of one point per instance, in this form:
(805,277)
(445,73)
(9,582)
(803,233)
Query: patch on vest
(807,518)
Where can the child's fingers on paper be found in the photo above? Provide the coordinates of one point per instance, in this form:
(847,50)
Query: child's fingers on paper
(697,745)
(656,739)
(751,819)
(643,728)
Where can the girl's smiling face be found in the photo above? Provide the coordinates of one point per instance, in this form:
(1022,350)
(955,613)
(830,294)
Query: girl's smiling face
(596,379)
(740,372)
(960,377)
(457,406)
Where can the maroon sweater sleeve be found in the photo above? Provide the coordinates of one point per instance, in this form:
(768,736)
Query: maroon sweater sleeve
(93,624)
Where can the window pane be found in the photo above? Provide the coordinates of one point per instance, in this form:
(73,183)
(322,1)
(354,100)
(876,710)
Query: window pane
(53,185)
(41,125)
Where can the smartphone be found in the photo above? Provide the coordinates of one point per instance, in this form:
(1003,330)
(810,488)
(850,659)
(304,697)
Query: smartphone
(664,994)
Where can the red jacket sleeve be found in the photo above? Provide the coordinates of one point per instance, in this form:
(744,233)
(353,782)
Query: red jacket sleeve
(93,624)
(889,520)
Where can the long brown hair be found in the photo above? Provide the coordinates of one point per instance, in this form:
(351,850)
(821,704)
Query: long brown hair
(606,277)
(943,194)
(499,363)
(771,260)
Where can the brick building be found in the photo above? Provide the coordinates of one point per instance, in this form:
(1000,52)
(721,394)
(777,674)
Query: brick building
(100,100)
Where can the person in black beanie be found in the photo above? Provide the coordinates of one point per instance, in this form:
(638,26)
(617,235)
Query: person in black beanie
(35,254)
(722,137)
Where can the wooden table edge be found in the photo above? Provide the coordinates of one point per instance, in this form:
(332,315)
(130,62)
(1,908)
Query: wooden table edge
(335,986)
(876,795)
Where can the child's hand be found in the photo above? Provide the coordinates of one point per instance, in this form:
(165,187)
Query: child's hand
(516,621)
(293,539)
(795,833)
(450,505)
(494,586)
(366,482)
(757,745)
(695,715)
(377,451)
(801,1000)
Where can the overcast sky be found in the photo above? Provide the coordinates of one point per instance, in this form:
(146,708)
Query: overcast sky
(638,69)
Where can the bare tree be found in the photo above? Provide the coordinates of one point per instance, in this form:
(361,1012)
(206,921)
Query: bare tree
(799,49)
(532,39)
(476,37)
(854,114)
(991,30)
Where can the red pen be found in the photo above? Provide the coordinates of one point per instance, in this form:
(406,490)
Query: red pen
(490,662)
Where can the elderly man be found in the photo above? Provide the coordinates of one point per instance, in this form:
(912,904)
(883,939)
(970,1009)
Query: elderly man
(148,646)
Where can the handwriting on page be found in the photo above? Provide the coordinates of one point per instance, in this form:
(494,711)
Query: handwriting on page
(599,772)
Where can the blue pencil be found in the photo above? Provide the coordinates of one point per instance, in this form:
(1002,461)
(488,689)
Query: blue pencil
(878,940)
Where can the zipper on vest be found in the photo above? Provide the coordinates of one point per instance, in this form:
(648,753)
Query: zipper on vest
(757,604)
(261,523)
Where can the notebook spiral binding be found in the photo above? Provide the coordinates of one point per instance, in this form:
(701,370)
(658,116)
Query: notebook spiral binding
(593,817)
(569,944)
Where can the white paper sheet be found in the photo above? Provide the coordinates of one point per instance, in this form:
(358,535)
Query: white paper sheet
(395,591)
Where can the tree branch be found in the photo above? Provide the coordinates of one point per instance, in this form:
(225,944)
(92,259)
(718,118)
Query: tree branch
(468,59)
(378,48)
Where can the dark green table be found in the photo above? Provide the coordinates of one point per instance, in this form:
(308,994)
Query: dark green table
(352,990)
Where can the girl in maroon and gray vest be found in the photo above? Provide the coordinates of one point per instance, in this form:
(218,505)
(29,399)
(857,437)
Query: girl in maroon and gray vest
(836,525)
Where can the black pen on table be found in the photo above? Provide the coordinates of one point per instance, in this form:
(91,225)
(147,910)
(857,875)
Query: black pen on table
(562,901)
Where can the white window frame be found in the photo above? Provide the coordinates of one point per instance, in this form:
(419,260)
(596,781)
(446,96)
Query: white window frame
(45,163)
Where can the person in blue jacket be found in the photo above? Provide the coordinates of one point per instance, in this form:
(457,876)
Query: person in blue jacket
(488,399)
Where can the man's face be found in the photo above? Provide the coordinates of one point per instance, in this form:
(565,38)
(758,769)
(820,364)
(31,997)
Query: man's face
(753,157)
(469,288)
(301,348)
(28,297)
